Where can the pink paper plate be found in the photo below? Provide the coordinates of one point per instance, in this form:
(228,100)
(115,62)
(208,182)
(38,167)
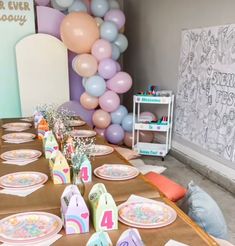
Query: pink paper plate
(77,123)
(17,124)
(18,135)
(116,172)
(22,180)
(146,214)
(29,228)
(82,133)
(21,154)
(100,150)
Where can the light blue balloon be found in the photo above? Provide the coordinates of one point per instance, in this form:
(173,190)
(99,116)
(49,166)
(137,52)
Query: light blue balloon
(109,31)
(121,42)
(127,122)
(99,7)
(113,4)
(64,3)
(95,86)
(118,115)
(77,6)
(115,52)
(56,6)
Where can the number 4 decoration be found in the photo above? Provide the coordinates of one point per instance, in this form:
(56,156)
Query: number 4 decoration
(104,209)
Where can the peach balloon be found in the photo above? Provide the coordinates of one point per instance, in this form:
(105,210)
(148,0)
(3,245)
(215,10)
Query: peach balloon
(86,65)
(79,31)
(101,132)
(128,139)
(101,119)
(146,136)
(89,102)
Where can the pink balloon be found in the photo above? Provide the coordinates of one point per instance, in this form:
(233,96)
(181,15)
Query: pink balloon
(148,115)
(116,16)
(101,119)
(101,49)
(128,139)
(109,101)
(42,2)
(100,131)
(107,68)
(85,65)
(120,83)
(118,66)
(146,136)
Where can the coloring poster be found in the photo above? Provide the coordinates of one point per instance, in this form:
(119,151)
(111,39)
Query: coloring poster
(205,102)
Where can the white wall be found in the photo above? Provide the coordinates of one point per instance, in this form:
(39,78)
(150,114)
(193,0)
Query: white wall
(154,28)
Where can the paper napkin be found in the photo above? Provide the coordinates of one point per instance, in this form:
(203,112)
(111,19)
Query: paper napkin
(175,243)
(134,198)
(47,242)
(20,192)
(19,162)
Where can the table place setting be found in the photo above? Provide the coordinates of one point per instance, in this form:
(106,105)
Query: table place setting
(100,150)
(116,172)
(21,155)
(139,212)
(16,126)
(82,133)
(74,123)
(18,137)
(22,183)
(30,228)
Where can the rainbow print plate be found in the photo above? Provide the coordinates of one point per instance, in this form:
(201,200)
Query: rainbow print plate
(82,133)
(77,123)
(18,136)
(29,228)
(17,125)
(100,150)
(21,154)
(116,172)
(146,214)
(22,180)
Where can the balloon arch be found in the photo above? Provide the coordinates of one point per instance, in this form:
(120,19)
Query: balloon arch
(93,30)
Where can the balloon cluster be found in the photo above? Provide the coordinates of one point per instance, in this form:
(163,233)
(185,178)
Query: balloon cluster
(94,30)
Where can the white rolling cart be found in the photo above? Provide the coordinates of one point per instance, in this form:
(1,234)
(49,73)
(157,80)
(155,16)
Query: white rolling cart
(154,149)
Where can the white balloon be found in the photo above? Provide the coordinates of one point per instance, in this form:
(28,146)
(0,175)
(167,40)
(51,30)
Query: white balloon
(77,6)
(64,3)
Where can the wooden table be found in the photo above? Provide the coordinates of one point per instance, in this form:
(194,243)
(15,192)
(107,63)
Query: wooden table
(47,199)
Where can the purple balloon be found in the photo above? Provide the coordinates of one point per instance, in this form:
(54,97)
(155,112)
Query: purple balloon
(118,66)
(120,83)
(76,109)
(107,68)
(109,101)
(49,20)
(116,16)
(114,134)
(75,81)
(42,2)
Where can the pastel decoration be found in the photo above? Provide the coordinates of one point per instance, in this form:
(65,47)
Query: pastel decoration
(108,31)
(42,2)
(118,115)
(76,109)
(109,101)
(99,239)
(95,86)
(148,116)
(116,16)
(64,3)
(127,122)
(114,134)
(115,52)
(86,65)
(77,6)
(56,6)
(100,131)
(99,7)
(104,209)
(113,4)
(118,66)
(86,170)
(89,102)
(42,128)
(79,32)
(99,21)
(121,42)
(128,139)
(101,119)
(40,77)
(51,27)
(74,212)
(37,116)
(130,237)
(60,171)
(120,83)
(49,144)
(101,49)
(107,68)
(11,33)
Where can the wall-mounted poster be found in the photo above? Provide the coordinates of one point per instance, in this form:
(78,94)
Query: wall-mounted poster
(16,22)
(205,102)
